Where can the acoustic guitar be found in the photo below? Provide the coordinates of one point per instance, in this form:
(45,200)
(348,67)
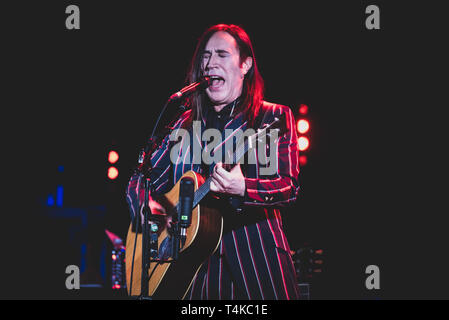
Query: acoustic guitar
(170,279)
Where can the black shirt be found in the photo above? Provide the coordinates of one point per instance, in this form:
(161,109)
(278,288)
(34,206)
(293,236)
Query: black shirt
(218,120)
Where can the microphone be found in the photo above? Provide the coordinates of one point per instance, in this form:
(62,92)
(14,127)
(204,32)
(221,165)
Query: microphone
(185,206)
(191,88)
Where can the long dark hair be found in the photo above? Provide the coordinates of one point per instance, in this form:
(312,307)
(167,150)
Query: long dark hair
(253,85)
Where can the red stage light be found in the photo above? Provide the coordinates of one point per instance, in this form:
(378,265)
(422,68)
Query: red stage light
(302,160)
(112,173)
(303,126)
(112,156)
(303,143)
(303,109)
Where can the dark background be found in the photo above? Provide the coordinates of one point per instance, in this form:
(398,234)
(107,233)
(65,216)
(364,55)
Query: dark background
(370,191)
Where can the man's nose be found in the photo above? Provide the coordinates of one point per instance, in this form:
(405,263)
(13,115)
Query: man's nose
(212,62)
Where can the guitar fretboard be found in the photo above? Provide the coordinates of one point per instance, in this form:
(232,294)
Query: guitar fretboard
(241,150)
(201,192)
(204,189)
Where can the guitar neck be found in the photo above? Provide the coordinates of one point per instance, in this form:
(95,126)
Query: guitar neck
(202,191)
(235,158)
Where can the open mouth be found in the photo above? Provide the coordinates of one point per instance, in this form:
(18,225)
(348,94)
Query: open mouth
(217,82)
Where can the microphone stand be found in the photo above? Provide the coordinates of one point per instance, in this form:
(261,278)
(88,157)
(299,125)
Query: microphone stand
(145,169)
(149,230)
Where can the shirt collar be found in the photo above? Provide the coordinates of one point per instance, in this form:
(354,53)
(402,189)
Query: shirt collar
(226,111)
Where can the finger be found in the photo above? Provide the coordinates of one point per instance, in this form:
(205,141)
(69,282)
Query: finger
(236,168)
(220,171)
(213,186)
(219,182)
(220,164)
(218,185)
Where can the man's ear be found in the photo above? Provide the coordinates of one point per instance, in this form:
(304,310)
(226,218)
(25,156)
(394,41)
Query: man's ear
(247,64)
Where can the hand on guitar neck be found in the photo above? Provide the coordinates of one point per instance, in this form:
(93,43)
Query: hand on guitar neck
(230,182)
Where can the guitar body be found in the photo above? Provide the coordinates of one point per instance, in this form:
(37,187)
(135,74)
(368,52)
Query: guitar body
(172,280)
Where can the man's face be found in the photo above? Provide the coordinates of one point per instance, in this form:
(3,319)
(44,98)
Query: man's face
(221,61)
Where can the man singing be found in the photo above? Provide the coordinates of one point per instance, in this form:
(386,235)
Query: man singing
(252,260)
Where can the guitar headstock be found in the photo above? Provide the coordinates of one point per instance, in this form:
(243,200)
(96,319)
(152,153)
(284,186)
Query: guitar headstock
(278,125)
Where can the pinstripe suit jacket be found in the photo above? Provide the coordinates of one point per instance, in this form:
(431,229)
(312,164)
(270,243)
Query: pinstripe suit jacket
(254,245)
